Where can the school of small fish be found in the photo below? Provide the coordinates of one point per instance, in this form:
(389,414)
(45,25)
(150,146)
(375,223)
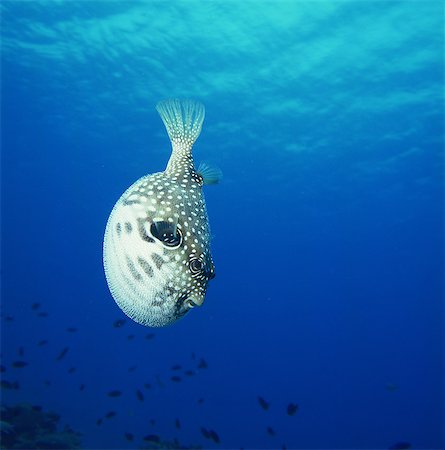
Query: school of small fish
(177,373)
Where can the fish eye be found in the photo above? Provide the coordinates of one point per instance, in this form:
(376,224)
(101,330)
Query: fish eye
(195,266)
(167,233)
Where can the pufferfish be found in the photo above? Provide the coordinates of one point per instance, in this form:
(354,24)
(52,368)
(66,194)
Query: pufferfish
(156,249)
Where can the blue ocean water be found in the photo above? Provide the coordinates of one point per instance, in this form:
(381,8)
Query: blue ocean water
(327,121)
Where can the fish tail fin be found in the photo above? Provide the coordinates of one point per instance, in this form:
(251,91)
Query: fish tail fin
(183,120)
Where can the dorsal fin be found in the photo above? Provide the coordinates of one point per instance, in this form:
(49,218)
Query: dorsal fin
(210,174)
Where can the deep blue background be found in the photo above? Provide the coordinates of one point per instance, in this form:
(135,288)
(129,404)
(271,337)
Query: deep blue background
(327,121)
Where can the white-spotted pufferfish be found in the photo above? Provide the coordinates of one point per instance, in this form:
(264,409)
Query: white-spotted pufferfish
(157,240)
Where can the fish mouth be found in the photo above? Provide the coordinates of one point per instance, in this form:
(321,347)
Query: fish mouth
(190,303)
(187,303)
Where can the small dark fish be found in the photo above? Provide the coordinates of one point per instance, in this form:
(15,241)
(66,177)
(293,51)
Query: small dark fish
(62,354)
(99,422)
(9,318)
(114,393)
(271,431)
(152,438)
(140,395)
(71,370)
(130,337)
(177,424)
(9,385)
(2,369)
(132,368)
(129,437)
(42,342)
(19,364)
(400,446)
(71,330)
(110,414)
(43,314)
(176,379)
(35,306)
(147,385)
(176,367)
(152,422)
(263,403)
(119,323)
(193,356)
(205,433)
(200,401)
(189,373)
(202,364)
(292,408)
(47,383)
(214,436)
(149,336)
(81,387)
(21,352)
(37,408)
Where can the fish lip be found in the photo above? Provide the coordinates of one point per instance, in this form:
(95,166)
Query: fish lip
(191,303)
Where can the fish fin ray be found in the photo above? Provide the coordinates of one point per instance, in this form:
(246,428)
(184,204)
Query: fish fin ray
(210,174)
(182,118)
(165,227)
